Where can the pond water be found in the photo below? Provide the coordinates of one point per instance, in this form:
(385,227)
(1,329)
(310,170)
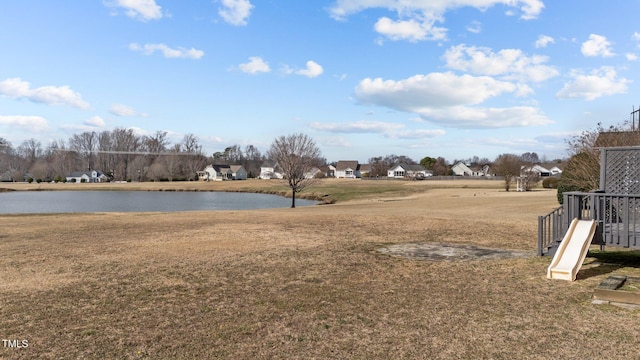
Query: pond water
(31,202)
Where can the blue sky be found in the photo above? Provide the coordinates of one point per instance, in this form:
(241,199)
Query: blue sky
(363,78)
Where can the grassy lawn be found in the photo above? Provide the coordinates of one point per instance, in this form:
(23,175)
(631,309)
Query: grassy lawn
(337,190)
(303,283)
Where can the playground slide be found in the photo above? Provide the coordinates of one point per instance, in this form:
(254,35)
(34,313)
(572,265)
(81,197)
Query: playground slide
(572,251)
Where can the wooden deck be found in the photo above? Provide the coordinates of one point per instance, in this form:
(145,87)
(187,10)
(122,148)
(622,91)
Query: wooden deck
(618,218)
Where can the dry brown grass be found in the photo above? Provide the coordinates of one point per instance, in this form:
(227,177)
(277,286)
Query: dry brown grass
(302,283)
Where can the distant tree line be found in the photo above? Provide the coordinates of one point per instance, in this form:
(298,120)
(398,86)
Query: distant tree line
(123,155)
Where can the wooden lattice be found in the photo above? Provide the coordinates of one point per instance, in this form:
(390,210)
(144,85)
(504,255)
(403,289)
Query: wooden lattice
(620,170)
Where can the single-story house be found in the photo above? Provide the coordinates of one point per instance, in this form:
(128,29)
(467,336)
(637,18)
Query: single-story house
(268,170)
(313,173)
(403,170)
(462,169)
(93,176)
(543,171)
(222,172)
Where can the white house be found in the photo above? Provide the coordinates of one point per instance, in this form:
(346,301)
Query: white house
(313,173)
(223,172)
(93,176)
(347,169)
(461,169)
(542,171)
(330,171)
(555,171)
(403,170)
(268,170)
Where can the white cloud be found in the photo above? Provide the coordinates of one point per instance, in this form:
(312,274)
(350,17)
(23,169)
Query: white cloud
(474,27)
(418,134)
(235,12)
(336,141)
(357,127)
(16,88)
(94,121)
(510,64)
(597,45)
(143,10)
(124,110)
(416,18)
(254,66)
(631,56)
(411,30)
(437,90)
(312,70)
(636,37)
(30,123)
(449,99)
(389,130)
(543,41)
(599,82)
(180,52)
(478,117)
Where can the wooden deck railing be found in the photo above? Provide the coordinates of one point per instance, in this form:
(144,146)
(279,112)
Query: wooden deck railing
(617,216)
(550,231)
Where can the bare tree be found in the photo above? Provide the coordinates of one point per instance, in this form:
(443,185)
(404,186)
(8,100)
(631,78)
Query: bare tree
(125,144)
(39,170)
(441,167)
(86,145)
(6,156)
(157,171)
(62,161)
(195,160)
(30,150)
(252,160)
(173,162)
(296,155)
(106,159)
(528,177)
(582,172)
(507,166)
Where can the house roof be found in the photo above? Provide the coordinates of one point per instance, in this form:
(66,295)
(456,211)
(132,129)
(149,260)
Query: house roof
(413,167)
(347,164)
(220,167)
(87,173)
(268,163)
(618,138)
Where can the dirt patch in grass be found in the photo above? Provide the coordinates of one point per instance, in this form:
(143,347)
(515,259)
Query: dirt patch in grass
(448,252)
(301,284)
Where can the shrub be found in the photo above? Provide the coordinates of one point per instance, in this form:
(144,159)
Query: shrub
(550,183)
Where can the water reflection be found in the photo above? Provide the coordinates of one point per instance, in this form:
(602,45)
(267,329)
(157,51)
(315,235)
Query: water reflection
(26,202)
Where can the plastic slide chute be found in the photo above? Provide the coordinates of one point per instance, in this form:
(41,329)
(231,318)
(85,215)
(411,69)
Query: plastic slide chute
(572,250)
